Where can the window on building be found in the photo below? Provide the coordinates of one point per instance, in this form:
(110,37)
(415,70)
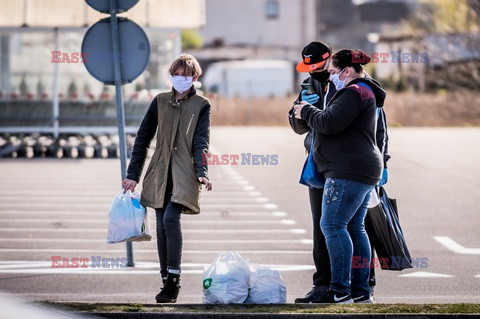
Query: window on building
(272,9)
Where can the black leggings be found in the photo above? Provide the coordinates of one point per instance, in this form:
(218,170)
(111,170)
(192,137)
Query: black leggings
(169,238)
(169,233)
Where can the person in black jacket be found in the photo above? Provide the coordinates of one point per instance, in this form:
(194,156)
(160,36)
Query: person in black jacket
(315,57)
(347,155)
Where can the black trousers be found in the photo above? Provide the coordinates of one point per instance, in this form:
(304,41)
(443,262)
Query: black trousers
(169,232)
(322,274)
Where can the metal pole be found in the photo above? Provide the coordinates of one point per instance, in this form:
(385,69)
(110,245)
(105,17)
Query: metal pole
(56,103)
(5,64)
(120,111)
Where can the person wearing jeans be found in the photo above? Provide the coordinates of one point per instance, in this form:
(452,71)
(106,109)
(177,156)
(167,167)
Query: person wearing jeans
(347,155)
(345,207)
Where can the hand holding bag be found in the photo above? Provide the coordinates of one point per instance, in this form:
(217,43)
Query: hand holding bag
(127,219)
(310,175)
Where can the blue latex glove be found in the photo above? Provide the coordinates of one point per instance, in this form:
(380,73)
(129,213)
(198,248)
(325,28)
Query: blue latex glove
(384,178)
(310,98)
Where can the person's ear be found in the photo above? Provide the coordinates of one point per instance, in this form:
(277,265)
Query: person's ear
(347,72)
(195,77)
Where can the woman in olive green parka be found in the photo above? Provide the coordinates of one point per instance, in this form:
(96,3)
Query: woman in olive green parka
(172,183)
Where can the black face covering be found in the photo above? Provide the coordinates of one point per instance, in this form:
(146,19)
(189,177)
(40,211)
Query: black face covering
(321,77)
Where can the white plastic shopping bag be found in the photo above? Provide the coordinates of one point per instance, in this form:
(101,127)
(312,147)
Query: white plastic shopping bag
(266,286)
(226,280)
(374,199)
(127,219)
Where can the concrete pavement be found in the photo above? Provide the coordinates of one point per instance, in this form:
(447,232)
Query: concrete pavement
(59,208)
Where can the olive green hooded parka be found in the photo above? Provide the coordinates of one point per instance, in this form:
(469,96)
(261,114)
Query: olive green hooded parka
(182,129)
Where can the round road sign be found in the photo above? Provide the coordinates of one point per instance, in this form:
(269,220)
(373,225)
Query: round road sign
(134,50)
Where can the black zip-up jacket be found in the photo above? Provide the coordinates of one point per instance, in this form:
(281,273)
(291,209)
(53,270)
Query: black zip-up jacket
(299,126)
(325,91)
(345,133)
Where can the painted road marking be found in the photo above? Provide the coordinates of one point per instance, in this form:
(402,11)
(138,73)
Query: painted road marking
(101,200)
(424,274)
(185,231)
(186,241)
(456,247)
(103,222)
(103,214)
(106,205)
(141,268)
(148,251)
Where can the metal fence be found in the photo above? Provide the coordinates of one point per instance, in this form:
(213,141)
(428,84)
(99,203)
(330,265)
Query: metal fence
(87,129)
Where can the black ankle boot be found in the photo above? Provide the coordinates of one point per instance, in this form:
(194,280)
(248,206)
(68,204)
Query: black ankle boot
(170,290)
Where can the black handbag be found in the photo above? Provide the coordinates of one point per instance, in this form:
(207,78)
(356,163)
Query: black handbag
(385,233)
(310,175)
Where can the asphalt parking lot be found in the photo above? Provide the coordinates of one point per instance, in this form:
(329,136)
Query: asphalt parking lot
(58,207)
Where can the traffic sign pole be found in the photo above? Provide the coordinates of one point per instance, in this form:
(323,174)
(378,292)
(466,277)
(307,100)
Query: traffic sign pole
(55,98)
(128,46)
(120,110)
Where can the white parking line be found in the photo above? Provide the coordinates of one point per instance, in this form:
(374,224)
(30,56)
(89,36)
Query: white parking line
(102,201)
(424,274)
(456,247)
(185,231)
(101,213)
(139,269)
(186,241)
(104,222)
(148,251)
(215,206)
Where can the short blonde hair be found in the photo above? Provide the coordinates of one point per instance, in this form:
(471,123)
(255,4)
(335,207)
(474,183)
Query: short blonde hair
(189,64)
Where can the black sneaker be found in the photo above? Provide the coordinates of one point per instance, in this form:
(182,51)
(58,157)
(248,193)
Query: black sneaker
(334,296)
(362,299)
(316,293)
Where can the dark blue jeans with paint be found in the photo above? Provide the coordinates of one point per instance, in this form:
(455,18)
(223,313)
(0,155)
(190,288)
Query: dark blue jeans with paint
(344,208)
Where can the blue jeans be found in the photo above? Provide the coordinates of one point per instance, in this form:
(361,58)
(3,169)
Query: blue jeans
(344,208)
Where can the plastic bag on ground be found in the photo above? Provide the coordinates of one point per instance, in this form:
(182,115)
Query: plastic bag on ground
(266,286)
(127,219)
(226,280)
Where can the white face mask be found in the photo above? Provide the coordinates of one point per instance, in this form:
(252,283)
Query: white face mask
(335,78)
(181,83)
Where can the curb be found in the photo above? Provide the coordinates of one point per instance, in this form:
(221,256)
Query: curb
(268,311)
(150,315)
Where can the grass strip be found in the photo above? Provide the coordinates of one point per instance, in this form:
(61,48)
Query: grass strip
(454,308)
